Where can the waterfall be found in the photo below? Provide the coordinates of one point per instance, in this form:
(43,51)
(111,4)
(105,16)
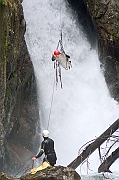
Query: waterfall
(83,109)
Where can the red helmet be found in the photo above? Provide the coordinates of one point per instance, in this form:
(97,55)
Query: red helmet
(56,53)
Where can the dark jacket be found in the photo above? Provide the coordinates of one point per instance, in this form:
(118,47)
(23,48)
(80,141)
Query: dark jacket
(47,147)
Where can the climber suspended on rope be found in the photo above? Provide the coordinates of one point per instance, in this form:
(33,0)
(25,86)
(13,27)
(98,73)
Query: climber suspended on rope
(60,58)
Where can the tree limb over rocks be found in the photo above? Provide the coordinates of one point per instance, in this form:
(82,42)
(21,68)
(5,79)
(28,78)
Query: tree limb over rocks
(94,145)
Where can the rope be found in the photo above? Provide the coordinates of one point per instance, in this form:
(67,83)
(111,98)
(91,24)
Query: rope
(56,67)
(51,104)
(60,19)
(60,42)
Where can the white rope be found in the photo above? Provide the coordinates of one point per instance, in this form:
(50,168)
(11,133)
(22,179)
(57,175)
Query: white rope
(60,17)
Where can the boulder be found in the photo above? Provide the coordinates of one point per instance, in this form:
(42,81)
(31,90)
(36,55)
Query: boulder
(53,173)
(4,176)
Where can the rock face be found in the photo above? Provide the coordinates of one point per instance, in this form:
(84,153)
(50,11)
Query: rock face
(103,24)
(4,176)
(84,20)
(53,173)
(105,15)
(18,92)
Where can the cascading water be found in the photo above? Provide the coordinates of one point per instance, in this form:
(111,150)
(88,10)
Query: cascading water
(83,109)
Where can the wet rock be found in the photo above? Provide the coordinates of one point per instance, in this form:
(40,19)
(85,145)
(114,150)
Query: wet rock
(18,92)
(105,15)
(54,173)
(4,176)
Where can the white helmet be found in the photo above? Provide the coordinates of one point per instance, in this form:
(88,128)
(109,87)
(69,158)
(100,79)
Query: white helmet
(45,133)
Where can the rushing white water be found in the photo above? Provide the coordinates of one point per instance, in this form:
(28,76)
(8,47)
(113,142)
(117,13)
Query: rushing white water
(83,109)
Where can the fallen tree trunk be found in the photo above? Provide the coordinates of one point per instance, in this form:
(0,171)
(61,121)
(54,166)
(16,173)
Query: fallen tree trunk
(104,167)
(93,146)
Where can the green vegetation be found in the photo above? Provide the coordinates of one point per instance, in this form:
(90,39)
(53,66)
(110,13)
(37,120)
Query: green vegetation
(7,106)
(10,3)
(10,44)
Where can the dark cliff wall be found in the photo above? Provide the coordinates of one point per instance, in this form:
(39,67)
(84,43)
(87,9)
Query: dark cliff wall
(18,93)
(105,15)
(84,20)
(101,19)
